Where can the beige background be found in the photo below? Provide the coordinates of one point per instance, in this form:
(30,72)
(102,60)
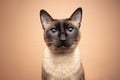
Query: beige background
(22,45)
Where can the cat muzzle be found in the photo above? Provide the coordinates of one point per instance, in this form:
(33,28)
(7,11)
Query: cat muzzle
(63,43)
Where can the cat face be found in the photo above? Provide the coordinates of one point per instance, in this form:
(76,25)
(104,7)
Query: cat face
(61,35)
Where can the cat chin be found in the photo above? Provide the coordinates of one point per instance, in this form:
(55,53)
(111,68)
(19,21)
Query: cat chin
(62,49)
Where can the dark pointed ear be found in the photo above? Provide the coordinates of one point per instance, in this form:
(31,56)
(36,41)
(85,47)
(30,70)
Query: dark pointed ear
(45,18)
(76,17)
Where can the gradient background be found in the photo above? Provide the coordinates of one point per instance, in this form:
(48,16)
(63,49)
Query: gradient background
(22,44)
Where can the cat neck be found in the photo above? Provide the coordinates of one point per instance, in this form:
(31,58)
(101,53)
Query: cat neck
(61,66)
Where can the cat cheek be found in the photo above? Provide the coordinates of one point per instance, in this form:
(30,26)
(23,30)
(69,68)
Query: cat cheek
(51,36)
(73,36)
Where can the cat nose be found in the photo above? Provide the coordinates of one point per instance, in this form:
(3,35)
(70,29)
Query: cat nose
(63,38)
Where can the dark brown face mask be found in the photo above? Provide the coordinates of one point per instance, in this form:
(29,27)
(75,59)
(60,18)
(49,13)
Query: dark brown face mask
(61,32)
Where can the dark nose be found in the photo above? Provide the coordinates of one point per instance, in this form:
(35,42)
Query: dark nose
(63,38)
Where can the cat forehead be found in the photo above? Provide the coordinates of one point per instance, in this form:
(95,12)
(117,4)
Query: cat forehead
(63,23)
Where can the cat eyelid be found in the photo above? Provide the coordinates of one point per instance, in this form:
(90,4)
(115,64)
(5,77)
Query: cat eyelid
(53,30)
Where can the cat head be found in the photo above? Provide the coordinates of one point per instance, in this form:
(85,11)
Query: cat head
(61,35)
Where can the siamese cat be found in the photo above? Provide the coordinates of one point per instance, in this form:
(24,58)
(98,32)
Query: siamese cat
(61,59)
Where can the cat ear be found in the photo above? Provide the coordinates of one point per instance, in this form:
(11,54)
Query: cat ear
(76,17)
(45,18)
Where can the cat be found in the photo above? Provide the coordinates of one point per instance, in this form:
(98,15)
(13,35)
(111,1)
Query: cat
(61,60)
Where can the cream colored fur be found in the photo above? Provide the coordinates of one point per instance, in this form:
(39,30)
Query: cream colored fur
(62,66)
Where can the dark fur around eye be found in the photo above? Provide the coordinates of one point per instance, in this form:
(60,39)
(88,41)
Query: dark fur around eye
(70,29)
(53,30)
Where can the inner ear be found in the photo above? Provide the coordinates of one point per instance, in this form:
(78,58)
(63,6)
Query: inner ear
(76,17)
(45,18)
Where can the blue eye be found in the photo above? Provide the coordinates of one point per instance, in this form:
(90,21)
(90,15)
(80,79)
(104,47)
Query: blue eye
(53,30)
(70,29)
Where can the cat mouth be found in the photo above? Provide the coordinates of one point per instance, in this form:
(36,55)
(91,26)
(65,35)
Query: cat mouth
(64,45)
(63,48)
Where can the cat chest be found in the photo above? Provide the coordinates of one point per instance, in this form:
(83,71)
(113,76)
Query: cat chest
(61,68)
